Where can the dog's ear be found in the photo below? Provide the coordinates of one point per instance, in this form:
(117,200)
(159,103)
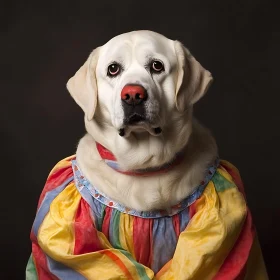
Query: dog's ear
(193,80)
(83,87)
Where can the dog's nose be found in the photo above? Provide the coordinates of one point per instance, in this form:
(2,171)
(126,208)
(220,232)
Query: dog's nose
(134,94)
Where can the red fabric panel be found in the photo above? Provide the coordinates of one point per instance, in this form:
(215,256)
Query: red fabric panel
(143,244)
(86,238)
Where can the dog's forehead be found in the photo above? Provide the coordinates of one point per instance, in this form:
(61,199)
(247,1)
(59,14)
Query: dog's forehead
(142,43)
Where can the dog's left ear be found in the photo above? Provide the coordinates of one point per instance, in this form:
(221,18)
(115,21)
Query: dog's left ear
(193,80)
(83,87)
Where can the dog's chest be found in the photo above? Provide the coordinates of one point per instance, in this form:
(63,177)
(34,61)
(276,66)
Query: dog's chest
(147,238)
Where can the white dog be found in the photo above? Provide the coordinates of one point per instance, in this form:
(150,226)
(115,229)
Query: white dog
(148,196)
(171,95)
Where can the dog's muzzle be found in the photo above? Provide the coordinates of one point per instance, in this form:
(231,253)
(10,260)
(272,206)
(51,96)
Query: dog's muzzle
(133,98)
(133,102)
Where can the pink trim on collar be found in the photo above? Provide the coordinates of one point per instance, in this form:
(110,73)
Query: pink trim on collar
(111,161)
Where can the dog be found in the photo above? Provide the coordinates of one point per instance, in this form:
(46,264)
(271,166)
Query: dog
(146,195)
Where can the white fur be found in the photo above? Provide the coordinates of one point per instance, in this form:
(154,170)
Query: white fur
(169,106)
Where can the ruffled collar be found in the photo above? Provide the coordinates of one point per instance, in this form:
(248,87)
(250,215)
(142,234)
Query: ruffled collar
(82,183)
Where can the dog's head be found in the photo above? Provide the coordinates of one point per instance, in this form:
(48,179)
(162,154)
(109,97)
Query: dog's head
(140,87)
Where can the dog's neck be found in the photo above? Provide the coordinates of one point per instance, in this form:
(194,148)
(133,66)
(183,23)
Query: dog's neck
(112,162)
(152,192)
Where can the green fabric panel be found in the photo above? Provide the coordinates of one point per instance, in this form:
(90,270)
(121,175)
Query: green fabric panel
(115,225)
(221,183)
(31,273)
(100,219)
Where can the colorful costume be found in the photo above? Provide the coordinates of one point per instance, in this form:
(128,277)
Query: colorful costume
(79,233)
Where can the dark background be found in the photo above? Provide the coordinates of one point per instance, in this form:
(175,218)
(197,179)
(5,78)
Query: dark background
(43,46)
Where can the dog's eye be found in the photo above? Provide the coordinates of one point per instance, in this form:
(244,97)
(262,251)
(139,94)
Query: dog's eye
(113,69)
(157,66)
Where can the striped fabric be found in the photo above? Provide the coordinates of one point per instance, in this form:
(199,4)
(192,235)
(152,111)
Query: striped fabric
(79,233)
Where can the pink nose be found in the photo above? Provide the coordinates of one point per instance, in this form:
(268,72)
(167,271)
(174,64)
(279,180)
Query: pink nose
(133,94)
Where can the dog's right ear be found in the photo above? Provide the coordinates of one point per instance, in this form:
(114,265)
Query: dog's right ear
(83,87)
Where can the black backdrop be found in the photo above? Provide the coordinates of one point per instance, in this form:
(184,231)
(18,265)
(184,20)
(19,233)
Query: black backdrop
(44,44)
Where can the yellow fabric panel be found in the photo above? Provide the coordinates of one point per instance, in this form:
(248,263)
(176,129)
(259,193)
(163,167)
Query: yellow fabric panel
(56,238)
(126,233)
(210,235)
(56,229)
(62,163)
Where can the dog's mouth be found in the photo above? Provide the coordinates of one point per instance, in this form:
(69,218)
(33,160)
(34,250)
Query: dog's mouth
(134,119)
(140,118)
(125,131)
(138,123)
